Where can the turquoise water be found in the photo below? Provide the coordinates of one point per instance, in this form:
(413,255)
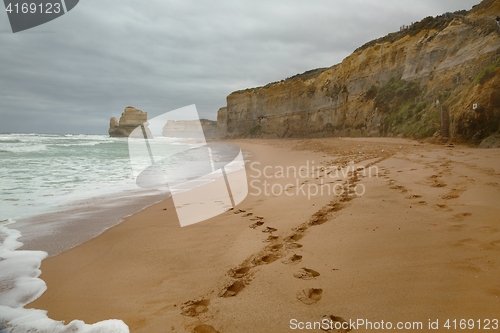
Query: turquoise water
(47,184)
(57,191)
(40,172)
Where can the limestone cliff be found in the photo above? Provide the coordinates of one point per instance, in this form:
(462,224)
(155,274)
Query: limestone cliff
(437,77)
(129,120)
(190,128)
(221,123)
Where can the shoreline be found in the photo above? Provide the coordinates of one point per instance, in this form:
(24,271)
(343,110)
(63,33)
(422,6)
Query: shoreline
(60,230)
(378,256)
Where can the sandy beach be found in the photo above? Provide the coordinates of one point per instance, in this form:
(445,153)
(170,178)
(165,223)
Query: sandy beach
(402,232)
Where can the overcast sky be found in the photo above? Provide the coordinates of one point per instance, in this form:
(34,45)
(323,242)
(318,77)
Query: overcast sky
(72,74)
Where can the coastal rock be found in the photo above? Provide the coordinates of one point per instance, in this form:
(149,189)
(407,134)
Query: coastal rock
(221,123)
(387,87)
(129,120)
(190,128)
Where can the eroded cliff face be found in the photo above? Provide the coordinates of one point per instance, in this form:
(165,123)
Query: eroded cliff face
(190,128)
(387,87)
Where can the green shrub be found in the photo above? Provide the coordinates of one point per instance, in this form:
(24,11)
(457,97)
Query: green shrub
(487,73)
(254,130)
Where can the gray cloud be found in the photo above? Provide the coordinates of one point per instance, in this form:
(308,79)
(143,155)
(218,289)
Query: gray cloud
(74,73)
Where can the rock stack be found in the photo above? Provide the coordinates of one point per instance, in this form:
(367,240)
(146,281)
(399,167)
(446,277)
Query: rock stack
(129,120)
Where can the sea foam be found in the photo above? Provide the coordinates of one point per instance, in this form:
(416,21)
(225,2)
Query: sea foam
(20,285)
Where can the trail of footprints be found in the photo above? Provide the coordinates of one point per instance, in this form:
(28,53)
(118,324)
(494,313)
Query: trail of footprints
(475,257)
(284,248)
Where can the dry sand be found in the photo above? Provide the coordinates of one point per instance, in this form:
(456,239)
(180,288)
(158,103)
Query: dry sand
(422,243)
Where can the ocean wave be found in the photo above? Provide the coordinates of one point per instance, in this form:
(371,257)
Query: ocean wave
(23,149)
(76,144)
(9,140)
(20,285)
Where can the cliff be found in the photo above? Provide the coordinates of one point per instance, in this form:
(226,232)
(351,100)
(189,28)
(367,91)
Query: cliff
(439,77)
(190,128)
(129,120)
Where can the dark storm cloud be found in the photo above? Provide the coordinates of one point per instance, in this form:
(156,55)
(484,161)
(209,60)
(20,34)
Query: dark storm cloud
(74,73)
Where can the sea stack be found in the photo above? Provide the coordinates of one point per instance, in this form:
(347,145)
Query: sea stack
(129,120)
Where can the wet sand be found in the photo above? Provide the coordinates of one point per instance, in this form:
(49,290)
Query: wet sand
(421,242)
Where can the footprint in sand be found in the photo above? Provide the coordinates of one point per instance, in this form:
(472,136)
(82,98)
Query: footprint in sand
(300,229)
(306,274)
(234,289)
(435,181)
(239,211)
(271,238)
(413,196)
(239,273)
(203,328)
(294,237)
(265,259)
(275,247)
(334,321)
(194,308)
(269,230)
(457,227)
(310,295)
(247,214)
(453,194)
(494,245)
(293,259)
(461,216)
(399,187)
(442,207)
(466,242)
(256,224)
(293,246)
